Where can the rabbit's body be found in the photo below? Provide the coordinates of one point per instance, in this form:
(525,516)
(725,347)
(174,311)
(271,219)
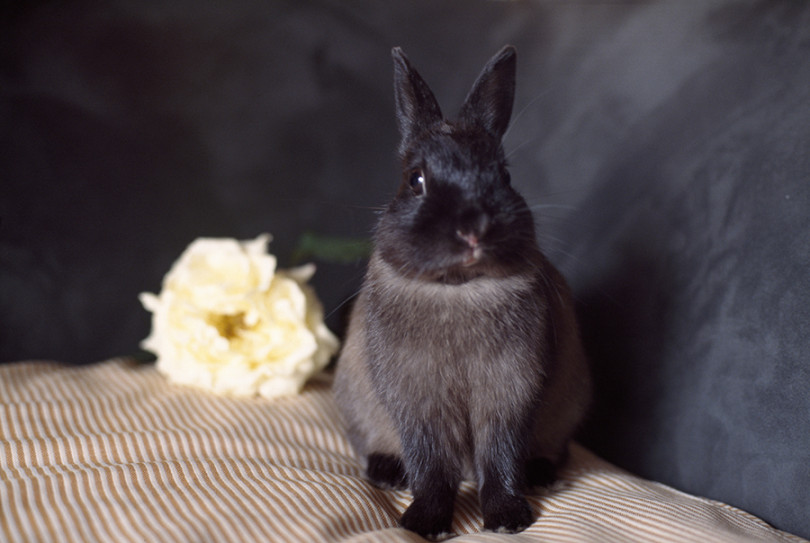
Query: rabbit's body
(462,358)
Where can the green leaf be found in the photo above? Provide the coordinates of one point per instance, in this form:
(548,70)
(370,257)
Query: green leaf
(336,249)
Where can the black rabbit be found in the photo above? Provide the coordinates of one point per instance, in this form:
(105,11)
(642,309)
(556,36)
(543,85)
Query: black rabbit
(463,357)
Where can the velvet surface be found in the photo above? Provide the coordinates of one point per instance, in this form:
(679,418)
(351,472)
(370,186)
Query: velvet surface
(664,146)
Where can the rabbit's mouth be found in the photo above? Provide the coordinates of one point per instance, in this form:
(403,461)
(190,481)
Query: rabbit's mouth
(472,256)
(469,265)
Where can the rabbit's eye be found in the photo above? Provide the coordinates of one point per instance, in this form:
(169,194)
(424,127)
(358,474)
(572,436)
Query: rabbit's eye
(416,180)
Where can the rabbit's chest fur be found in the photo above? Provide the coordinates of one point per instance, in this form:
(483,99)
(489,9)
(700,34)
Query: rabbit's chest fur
(458,356)
(472,319)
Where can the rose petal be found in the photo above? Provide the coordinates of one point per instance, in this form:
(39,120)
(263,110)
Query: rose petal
(227,321)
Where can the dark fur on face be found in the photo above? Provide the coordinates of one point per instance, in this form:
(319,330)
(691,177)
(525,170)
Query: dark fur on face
(466,189)
(462,358)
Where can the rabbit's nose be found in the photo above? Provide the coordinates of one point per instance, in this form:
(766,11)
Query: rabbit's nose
(468,238)
(474,225)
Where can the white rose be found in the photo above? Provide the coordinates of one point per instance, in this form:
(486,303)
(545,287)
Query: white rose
(227,321)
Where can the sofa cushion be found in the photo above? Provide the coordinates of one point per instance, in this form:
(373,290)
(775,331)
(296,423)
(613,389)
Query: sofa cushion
(114,452)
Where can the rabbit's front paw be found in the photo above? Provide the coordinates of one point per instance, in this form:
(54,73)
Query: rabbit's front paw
(428,520)
(507,514)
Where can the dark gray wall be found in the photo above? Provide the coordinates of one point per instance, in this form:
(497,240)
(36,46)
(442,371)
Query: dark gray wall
(663,145)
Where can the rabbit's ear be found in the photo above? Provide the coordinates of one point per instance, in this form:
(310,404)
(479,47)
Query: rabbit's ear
(489,102)
(417,108)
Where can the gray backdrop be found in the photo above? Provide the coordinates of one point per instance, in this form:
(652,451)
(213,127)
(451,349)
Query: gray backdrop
(663,146)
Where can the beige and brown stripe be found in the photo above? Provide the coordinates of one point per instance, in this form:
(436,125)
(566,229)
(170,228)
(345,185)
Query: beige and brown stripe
(113,452)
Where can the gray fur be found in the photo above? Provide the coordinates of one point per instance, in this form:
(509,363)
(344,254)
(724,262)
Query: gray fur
(463,357)
(454,350)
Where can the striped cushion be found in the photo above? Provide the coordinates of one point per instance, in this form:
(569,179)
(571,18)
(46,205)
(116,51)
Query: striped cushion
(112,452)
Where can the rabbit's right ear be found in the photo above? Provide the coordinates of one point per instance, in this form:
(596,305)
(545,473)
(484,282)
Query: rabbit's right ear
(417,108)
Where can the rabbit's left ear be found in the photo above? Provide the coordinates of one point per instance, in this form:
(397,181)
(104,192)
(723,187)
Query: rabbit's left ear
(490,100)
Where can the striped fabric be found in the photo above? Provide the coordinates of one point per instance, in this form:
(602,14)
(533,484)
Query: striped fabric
(112,452)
